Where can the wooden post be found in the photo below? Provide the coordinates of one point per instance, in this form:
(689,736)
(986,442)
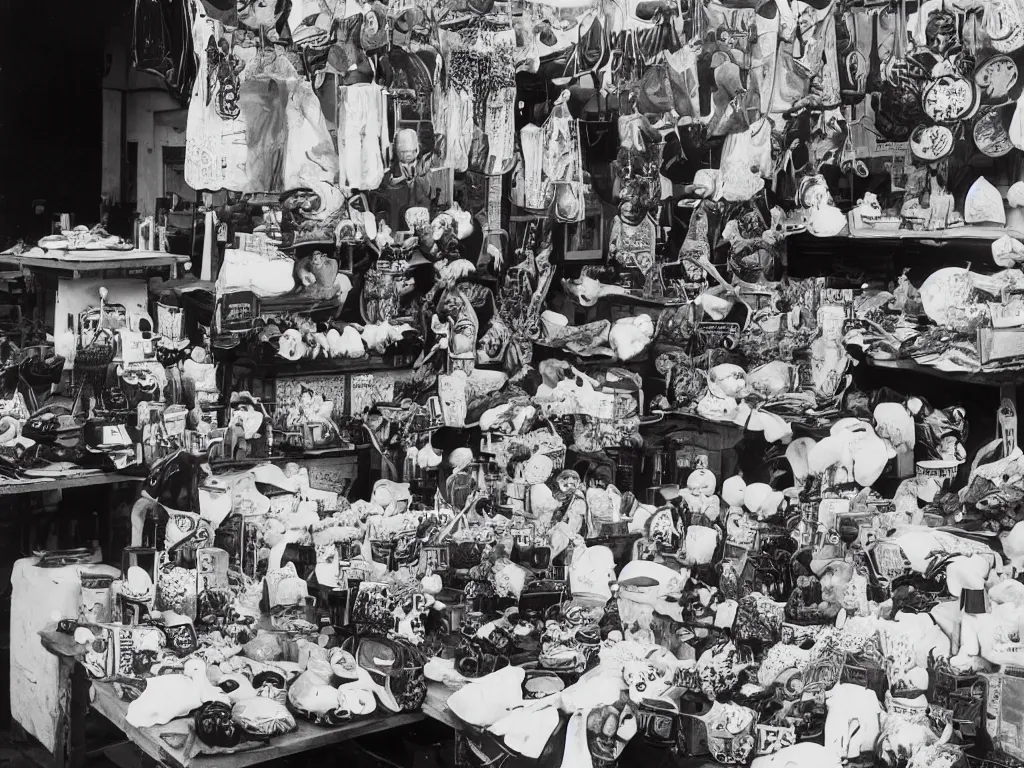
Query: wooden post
(72,708)
(1007,417)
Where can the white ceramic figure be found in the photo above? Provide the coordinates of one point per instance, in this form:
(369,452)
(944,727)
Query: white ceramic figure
(853,720)
(699,494)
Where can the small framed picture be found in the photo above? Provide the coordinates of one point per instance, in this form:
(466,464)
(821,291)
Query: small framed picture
(436,558)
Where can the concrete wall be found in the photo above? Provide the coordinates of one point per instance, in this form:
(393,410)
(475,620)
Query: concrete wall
(136,108)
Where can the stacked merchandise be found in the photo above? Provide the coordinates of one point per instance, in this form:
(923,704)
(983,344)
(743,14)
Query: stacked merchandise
(634,500)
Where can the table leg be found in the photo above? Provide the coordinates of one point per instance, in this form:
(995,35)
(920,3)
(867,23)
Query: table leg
(1007,418)
(18,733)
(72,709)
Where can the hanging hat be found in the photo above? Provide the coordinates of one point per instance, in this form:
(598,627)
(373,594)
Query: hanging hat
(480,7)
(984,204)
(373,32)
(224,11)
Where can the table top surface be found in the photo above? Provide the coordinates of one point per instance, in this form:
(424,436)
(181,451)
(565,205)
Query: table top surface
(175,743)
(73,480)
(97,260)
(436,706)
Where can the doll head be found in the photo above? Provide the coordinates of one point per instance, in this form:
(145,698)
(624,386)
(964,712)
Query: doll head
(407,146)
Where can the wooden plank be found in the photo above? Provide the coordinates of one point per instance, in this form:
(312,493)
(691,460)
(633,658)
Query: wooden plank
(39,485)
(125,755)
(72,708)
(955,233)
(436,706)
(97,261)
(978,378)
(307,737)
(326,367)
(59,643)
(298,458)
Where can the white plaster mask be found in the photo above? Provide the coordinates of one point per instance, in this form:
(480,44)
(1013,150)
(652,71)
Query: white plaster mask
(644,681)
(249,421)
(291,346)
(700,544)
(407,146)
(826,221)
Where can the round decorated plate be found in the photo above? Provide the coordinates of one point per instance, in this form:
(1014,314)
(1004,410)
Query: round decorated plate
(995,78)
(991,136)
(931,143)
(950,99)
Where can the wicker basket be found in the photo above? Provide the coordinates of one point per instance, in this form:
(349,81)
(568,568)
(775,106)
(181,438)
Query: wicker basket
(96,358)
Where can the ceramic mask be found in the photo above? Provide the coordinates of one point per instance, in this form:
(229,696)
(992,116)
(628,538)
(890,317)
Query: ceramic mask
(644,681)
(291,346)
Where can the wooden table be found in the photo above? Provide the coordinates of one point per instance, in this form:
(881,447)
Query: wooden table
(71,480)
(173,744)
(436,706)
(77,263)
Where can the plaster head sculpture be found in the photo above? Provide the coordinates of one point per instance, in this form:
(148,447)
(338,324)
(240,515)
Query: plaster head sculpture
(291,346)
(407,146)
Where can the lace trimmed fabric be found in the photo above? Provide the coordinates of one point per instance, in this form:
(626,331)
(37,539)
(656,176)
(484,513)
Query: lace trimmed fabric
(362,135)
(254,123)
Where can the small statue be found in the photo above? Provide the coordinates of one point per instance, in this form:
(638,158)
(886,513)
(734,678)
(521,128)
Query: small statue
(456,326)
(460,484)
(318,274)
(568,488)
(406,166)
(739,526)
(699,494)
(493,343)
(407,181)
(926,203)
(310,215)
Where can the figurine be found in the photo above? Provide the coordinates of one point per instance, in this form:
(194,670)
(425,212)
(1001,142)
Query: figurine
(700,491)
(456,326)
(310,215)
(738,526)
(319,277)
(939,213)
(408,179)
(461,483)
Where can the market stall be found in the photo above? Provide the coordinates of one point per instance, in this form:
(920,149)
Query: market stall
(612,382)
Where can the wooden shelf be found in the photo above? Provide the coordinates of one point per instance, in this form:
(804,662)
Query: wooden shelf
(325,367)
(96,261)
(322,453)
(41,484)
(956,233)
(977,378)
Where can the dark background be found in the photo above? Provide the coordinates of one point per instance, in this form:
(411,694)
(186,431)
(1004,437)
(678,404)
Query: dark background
(51,70)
